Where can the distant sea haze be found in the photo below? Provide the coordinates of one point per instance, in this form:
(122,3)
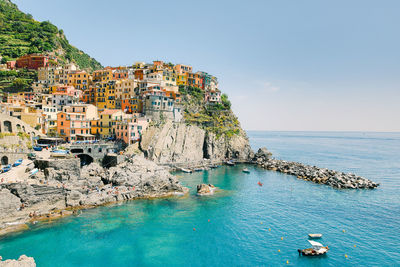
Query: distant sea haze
(244,224)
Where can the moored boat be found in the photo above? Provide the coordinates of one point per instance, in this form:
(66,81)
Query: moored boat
(6,168)
(245,170)
(198,169)
(186,170)
(317,249)
(315,235)
(214,166)
(230,163)
(37,148)
(17,162)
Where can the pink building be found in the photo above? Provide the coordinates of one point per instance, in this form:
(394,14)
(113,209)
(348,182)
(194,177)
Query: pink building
(11,65)
(130,131)
(213,96)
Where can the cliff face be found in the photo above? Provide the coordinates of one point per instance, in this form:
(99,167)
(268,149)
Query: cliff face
(179,143)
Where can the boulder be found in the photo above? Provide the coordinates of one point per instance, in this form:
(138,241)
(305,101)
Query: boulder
(23,261)
(205,189)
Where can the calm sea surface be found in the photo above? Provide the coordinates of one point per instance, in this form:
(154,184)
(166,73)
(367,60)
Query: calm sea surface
(244,224)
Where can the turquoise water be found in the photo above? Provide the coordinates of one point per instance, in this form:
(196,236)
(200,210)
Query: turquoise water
(231,228)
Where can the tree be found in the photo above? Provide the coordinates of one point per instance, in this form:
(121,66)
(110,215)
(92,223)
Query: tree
(225,101)
(19,84)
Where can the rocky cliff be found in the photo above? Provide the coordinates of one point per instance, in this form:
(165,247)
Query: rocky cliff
(189,145)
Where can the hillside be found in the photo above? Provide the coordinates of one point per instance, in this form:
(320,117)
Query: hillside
(20,34)
(217,118)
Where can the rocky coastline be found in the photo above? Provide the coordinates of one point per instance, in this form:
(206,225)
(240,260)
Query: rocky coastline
(23,261)
(263,158)
(62,187)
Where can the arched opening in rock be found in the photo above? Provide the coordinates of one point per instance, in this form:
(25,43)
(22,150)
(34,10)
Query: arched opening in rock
(4,160)
(7,126)
(85,159)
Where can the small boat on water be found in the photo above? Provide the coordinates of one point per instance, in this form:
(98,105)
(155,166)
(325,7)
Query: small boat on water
(245,170)
(317,249)
(186,170)
(314,235)
(198,169)
(230,163)
(214,166)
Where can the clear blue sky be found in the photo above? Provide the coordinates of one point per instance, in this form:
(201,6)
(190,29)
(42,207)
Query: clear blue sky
(285,64)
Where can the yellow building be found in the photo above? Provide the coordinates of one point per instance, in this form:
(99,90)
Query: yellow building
(108,118)
(100,95)
(110,95)
(124,89)
(103,75)
(182,79)
(78,79)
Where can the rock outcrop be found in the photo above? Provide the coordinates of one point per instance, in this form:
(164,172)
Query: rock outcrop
(312,173)
(205,189)
(9,203)
(189,145)
(23,261)
(54,193)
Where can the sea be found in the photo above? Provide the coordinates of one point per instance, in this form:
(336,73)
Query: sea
(243,224)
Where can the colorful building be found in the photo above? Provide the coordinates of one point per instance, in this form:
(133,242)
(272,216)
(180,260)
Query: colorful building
(107,119)
(78,79)
(34,61)
(130,131)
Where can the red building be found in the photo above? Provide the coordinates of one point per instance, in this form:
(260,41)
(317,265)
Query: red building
(33,61)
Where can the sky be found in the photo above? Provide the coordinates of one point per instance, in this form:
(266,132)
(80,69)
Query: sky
(310,65)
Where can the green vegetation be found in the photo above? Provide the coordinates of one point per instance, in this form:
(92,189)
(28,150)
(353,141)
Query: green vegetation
(23,136)
(20,34)
(215,118)
(17,80)
(2,135)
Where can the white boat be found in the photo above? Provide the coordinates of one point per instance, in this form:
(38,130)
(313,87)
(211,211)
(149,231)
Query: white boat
(315,235)
(245,170)
(186,170)
(316,250)
(230,163)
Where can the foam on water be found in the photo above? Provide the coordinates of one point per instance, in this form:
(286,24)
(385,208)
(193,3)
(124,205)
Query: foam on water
(232,227)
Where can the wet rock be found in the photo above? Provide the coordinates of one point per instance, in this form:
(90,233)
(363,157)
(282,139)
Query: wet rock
(204,189)
(23,261)
(312,173)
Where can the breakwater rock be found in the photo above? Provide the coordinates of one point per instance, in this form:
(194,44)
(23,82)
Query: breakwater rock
(312,173)
(23,261)
(58,190)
